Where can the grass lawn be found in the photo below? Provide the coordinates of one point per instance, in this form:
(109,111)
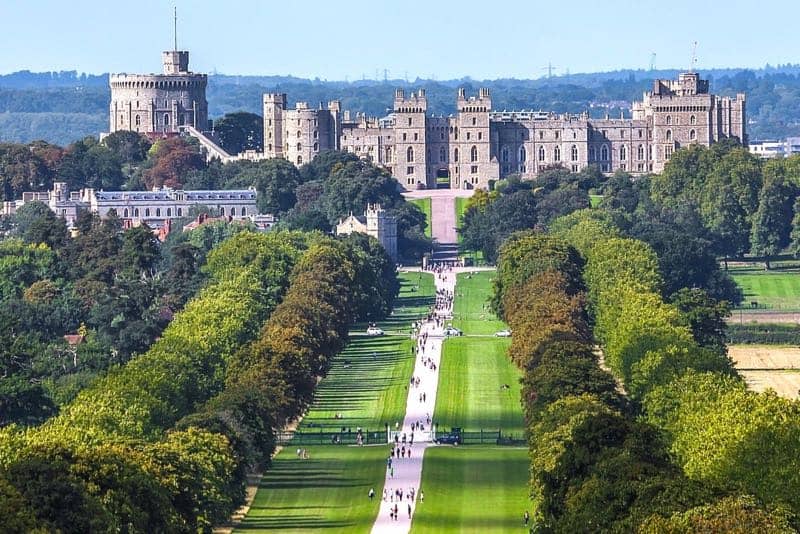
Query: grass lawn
(461,207)
(471,311)
(778,290)
(328,492)
(472,372)
(417,292)
(473,489)
(425,205)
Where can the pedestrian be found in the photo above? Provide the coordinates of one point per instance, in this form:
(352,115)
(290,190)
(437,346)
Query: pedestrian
(395,512)
(391,472)
(409,452)
(409,510)
(371,493)
(421,496)
(526,517)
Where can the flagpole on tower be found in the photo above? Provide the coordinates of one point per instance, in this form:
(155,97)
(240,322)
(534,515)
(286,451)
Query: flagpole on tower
(175,26)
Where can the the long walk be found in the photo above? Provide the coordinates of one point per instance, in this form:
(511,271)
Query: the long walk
(404,473)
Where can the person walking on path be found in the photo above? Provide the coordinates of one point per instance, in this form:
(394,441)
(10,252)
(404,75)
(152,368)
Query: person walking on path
(371,494)
(526,517)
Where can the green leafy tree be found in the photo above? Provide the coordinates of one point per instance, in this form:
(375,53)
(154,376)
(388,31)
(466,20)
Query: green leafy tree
(772,220)
(240,131)
(36,223)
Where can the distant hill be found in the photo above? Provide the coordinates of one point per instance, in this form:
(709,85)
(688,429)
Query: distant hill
(60,107)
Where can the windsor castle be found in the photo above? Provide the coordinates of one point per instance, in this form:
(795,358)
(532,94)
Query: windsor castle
(470,149)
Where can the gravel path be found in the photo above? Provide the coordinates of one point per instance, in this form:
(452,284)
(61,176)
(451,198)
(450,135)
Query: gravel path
(405,473)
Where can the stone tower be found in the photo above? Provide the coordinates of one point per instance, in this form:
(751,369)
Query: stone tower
(274,106)
(382,227)
(410,128)
(476,162)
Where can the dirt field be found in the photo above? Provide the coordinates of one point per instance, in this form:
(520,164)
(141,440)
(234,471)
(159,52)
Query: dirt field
(764,367)
(744,317)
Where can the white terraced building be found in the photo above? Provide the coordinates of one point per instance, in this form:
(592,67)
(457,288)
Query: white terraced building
(133,207)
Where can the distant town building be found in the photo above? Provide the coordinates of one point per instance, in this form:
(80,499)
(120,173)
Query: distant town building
(136,207)
(776,149)
(479,145)
(375,222)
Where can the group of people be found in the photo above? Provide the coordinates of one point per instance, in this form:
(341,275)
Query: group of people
(396,496)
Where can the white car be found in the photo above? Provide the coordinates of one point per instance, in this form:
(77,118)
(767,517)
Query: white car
(503,333)
(374,331)
(452,331)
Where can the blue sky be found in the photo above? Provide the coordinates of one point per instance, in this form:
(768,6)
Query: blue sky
(427,38)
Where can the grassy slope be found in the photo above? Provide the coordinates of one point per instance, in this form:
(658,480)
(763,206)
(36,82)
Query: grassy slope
(425,205)
(775,289)
(329,490)
(471,311)
(475,488)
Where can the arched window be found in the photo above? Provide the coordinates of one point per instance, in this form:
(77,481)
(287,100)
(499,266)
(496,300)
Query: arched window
(299,160)
(158,212)
(504,154)
(316,147)
(574,153)
(169,212)
(541,153)
(166,119)
(147,212)
(474,121)
(180,212)
(692,120)
(522,154)
(473,153)
(455,155)
(693,135)
(557,154)
(298,134)
(222,211)
(299,146)
(669,135)
(442,154)
(138,120)
(455,134)
(244,211)
(640,152)
(135,212)
(604,153)
(623,153)
(125,213)
(592,153)
(410,155)
(669,120)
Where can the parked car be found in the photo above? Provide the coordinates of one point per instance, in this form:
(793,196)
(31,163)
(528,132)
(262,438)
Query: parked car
(450,438)
(503,333)
(374,331)
(452,331)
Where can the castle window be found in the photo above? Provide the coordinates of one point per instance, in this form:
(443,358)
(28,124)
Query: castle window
(541,152)
(574,153)
(669,136)
(474,169)
(667,152)
(504,154)
(416,136)
(298,134)
(135,212)
(125,213)
(623,153)
(692,120)
(410,155)
(456,133)
(474,121)
(604,153)
(480,136)
(693,135)
(166,119)
(316,147)
(522,153)
(169,212)
(147,212)
(180,212)
(469,135)
(455,155)
(441,136)
(640,134)
(574,135)
(592,153)
(650,152)
(557,153)
(404,136)
(158,212)
(473,153)
(299,146)
(622,134)
(640,152)
(138,120)
(442,154)
(557,134)
(222,211)
(541,135)
(410,170)
(409,121)
(316,134)
(669,120)
(244,211)
(299,160)
(522,169)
